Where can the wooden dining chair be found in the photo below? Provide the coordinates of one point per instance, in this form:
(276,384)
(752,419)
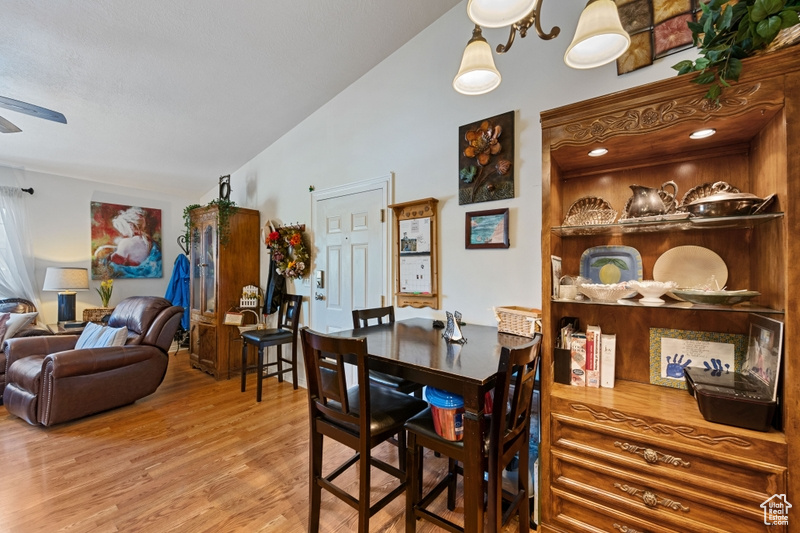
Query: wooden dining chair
(286,333)
(384,315)
(508,437)
(360,417)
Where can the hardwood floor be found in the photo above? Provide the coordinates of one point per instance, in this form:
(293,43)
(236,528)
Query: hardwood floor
(196,456)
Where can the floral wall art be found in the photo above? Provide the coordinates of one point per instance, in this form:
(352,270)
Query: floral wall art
(486,160)
(126,241)
(657,28)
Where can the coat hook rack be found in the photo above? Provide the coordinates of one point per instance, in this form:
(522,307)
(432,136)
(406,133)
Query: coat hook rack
(183,244)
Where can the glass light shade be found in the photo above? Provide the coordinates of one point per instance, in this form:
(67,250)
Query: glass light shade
(599,37)
(498,13)
(477,74)
(66,279)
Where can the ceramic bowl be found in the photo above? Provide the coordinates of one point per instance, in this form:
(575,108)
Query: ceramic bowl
(651,290)
(606,293)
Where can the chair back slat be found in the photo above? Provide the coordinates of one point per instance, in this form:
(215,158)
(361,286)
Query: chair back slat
(325,369)
(380,315)
(290,317)
(513,394)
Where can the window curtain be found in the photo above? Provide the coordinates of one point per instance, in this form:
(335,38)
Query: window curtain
(16,263)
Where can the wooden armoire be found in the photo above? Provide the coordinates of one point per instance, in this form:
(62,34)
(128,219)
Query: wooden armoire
(220,268)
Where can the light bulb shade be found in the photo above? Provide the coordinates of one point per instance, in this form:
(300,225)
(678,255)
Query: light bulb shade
(498,13)
(66,279)
(477,74)
(599,37)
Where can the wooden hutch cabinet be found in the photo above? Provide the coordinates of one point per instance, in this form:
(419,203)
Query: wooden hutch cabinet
(218,273)
(640,457)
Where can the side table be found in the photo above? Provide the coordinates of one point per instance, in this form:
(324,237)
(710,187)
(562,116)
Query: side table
(59,329)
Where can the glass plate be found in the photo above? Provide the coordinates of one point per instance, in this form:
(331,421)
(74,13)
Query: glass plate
(691,267)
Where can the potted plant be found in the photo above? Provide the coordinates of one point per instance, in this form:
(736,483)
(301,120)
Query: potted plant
(729,31)
(225,210)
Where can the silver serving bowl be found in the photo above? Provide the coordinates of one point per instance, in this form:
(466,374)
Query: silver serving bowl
(724,205)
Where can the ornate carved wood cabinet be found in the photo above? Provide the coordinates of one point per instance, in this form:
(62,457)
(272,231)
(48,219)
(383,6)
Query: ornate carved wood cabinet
(218,273)
(640,457)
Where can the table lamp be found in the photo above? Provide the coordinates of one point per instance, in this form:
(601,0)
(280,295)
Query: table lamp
(66,281)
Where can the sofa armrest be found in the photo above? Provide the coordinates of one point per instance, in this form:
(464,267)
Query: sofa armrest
(95,360)
(18,348)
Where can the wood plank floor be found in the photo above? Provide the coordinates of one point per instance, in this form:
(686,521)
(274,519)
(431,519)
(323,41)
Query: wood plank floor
(196,456)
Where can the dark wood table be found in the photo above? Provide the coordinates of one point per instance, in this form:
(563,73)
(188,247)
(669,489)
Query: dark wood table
(414,350)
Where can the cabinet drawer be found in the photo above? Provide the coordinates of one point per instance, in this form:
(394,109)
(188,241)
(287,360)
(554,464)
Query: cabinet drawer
(652,499)
(745,481)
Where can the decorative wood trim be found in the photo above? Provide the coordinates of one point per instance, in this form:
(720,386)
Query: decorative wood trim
(635,121)
(651,499)
(652,456)
(626,529)
(665,429)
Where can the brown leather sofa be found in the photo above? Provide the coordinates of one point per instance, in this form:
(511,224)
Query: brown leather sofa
(48,382)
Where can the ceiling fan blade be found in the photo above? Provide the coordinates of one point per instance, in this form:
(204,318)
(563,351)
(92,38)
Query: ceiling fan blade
(8,127)
(30,109)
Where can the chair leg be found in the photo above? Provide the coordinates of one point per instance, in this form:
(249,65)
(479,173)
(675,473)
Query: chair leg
(294,365)
(364,491)
(524,485)
(260,373)
(418,393)
(401,451)
(244,365)
(280,365)
(315,490)
(414,481)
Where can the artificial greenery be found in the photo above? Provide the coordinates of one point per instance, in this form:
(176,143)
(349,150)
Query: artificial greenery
(729,31)
(225,210)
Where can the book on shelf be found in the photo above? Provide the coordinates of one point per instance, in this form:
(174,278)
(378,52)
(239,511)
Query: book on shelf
(578,358)
(593,348)
(608,356)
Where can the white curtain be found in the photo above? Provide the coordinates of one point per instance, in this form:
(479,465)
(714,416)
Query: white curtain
(16,259)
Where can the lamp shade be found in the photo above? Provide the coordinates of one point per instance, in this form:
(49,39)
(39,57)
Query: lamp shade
(498,13)
(599,37)
(66,279)
(477,74)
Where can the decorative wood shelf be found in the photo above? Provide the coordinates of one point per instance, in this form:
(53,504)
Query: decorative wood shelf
(661,226)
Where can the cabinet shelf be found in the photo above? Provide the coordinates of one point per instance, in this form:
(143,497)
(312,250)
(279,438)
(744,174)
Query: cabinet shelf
(678,306)
(662,226)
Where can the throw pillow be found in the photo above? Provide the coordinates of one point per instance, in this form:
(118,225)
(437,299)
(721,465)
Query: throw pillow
(97,336)
(3,319)
(17,321)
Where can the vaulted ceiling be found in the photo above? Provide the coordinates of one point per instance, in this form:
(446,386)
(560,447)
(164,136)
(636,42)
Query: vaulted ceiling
(169,95)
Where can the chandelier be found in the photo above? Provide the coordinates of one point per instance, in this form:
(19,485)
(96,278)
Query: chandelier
(599,38)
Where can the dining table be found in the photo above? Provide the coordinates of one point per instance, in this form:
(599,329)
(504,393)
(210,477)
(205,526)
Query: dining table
(414,349)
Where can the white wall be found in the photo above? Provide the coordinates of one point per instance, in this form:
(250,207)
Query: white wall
(59,216)
(403,117)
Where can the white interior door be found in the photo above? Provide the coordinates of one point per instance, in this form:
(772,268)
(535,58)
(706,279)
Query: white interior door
(351,242)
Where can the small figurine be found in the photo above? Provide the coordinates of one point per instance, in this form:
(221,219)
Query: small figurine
(452,331)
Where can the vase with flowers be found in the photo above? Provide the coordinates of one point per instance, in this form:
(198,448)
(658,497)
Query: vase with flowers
(105,290)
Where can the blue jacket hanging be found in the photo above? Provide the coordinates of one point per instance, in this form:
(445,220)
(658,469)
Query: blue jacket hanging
(178,288)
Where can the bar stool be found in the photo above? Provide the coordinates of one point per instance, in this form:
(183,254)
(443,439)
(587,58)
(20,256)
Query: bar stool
(508,437)
(288,322)
(360,417)
(361,318)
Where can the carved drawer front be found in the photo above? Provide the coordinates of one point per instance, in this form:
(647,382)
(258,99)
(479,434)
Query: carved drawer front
(651,498)
(739,480)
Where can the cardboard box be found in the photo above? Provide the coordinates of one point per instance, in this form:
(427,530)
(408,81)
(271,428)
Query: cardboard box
(578,355)
(593,356)
(608,359)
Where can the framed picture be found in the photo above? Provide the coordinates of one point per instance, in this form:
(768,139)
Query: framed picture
(486,160)
(126,241)
(764,347)
(487,229)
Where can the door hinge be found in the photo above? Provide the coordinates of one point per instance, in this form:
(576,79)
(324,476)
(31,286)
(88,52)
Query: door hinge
(383,215)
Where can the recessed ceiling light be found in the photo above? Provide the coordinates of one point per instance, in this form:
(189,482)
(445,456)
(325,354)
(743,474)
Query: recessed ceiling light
(597,152)
(702,134)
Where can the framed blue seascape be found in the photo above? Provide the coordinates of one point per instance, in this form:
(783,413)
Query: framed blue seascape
(487,229)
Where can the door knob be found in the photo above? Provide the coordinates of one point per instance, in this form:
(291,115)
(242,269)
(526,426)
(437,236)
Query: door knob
(318,296)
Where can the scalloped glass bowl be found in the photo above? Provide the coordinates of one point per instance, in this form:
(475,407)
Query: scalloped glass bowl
(606,293)
(652,290)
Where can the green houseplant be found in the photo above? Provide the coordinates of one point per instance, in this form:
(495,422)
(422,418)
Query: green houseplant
(225,210)
(729,31)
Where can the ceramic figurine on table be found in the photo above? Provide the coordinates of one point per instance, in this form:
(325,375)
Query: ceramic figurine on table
(452,331)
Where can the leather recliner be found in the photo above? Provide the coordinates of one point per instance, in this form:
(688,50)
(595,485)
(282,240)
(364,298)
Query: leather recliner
(48,381)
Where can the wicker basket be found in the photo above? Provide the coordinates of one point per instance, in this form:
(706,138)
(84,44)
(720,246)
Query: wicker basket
(523,321)
(96,314)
